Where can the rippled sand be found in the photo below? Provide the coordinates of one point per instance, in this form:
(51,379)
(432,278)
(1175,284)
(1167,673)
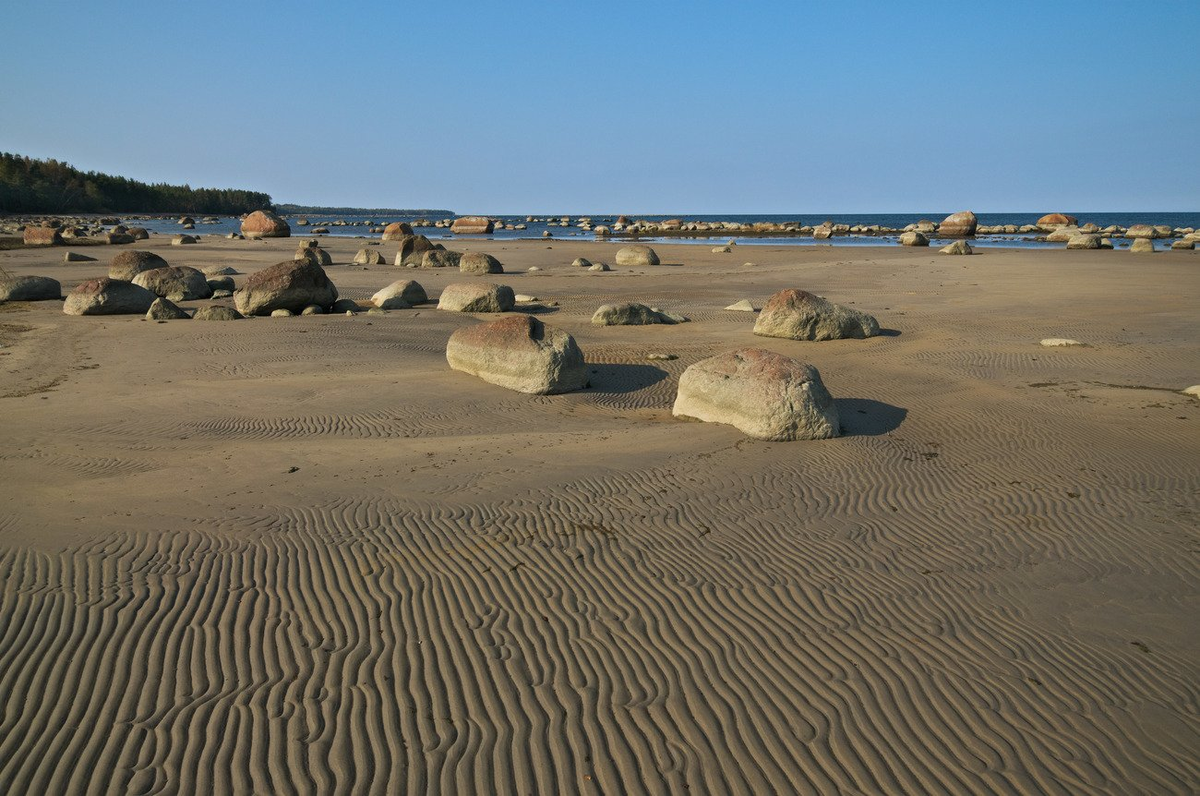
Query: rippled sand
(989,585)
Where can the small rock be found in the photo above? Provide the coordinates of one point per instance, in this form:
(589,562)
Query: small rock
(72,257)
(217,312)
(662,357)
(742,306)
(282,313)
(1061,342)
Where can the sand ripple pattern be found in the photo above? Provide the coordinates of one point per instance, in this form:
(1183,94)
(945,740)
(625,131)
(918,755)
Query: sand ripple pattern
(603,636)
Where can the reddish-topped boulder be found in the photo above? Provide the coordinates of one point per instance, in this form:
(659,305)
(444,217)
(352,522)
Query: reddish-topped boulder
(128,264)
(265,224)
(520,353)
(761,393)
(472,225)
(800,315)
(42,236)
(959,225)
(108,297)
(397,230)
(1056,220)
(291,285)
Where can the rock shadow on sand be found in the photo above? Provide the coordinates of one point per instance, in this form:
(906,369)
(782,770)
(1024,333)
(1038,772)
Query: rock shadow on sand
(862,417)
(621,379)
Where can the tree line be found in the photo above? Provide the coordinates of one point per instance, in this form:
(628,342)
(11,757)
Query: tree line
(28,185)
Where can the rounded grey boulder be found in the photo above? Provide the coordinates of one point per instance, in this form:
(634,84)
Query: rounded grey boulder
(476,297)
(637,255)
(519,353)
(763,394)
(178,283)
(800,315)
(29,288)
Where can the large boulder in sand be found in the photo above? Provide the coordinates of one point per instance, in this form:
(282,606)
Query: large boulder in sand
(314,254)
(290,285)
(165,310)
(958,247)
(763,394)
(178,283)
(914,238)
(627,314)
(1142,246)
(108,297)
(472,225)
(1056,220)
(412,244)
(476,297)
(959,225)
(29,288)
(520,353)
(800,315)
(479,263)
(637,255)
(42,236)
(128,264)
(397,230)
(265,224)
(1082,241)
(399,295)
(368,257)
(434,258)
(217,312)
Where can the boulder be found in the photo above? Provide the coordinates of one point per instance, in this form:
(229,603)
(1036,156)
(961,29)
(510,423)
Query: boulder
(397,230)
(291,285)
(401,294)
(282,313)
(183,240)
(221,283)
(599,267)
(265,224)
(1185,245)
(118,238)
(72,257)
(472,225)
(138,233)
(914,238)
(958,247)
(313,309)
(1061,342)
(42,236)
(762,394)
(434,258)
(178,283)
(1082,241)
(637,255)
(741,306)
(823,232)
(580,262)
(1142,231)
(519,353)
(800,315)
(165,310)
(1063,234)
(219,270)
(348,306)
(1056,220)
(217,312)
(128,264)
(1142,246)
(314,254)
(368,257)
(628,314)
(959,225)
(479,263)
(476,297)
(29,288)
(108,297)
(412,244)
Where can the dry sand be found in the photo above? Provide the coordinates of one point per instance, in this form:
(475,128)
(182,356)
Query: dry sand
(988,586)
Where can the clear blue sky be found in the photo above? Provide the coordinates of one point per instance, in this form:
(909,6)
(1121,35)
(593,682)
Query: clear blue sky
(638,107)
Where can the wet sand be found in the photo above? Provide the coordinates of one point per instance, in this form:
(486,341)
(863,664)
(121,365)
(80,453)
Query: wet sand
(302,555)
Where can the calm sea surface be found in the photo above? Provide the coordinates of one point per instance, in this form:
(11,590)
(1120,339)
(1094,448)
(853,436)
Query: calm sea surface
(897,220)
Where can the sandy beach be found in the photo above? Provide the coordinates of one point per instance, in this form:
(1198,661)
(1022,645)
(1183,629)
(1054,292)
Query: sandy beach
(303,555)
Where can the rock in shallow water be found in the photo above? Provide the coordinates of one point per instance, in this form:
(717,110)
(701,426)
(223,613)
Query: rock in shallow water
(763,394)
(519,353)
